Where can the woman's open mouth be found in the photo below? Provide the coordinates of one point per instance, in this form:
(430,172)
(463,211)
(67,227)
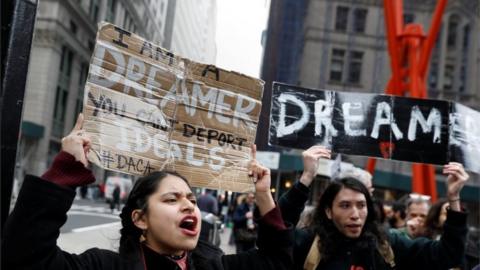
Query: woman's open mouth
(188,225)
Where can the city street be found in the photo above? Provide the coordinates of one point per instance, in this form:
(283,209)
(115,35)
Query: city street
(358,116)
(91,224)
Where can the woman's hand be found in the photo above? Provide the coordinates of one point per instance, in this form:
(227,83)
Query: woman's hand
(456,179)
(260,175)
(310,162)
(77,143)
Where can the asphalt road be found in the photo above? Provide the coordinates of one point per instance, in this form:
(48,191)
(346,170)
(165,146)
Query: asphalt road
(91,224)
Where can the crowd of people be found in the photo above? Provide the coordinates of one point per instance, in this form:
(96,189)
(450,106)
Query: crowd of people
(346,228)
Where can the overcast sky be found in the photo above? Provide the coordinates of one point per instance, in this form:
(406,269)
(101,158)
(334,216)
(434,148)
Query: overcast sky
(239,30)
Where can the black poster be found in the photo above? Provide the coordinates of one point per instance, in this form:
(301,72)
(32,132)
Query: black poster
(293,121)
(383,126)
(464,139)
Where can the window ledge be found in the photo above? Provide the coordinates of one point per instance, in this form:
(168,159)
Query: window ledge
(356,85)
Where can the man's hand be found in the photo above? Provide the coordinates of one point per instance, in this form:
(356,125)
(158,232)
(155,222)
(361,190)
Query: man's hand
(415,227)
(77,143)
(310,162)
(457,177)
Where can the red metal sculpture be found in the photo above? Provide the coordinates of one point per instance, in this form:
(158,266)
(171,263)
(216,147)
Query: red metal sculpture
(410,50)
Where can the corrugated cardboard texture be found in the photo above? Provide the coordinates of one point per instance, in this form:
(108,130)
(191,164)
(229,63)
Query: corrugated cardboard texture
(147,109)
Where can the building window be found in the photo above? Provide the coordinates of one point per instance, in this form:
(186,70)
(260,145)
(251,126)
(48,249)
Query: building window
(341,19)
(359,20)
(110,16)
(466,36)
(82,79)
(83,75)
(463,68)
(355,67)
(147,25)
(126,20)
(408,18)
(91,45)
(448,79)
(432,79)
(336,66)
(463,78)
(53,149)
(61,96)
(452,31)
(438,41)
(66,62)
(73,28)
(93,10)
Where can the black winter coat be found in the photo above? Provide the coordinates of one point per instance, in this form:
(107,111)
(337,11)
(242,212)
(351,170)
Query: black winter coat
(420,253)
(30,235)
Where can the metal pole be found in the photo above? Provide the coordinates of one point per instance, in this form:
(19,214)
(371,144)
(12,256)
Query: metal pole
(15,68)
(432,37)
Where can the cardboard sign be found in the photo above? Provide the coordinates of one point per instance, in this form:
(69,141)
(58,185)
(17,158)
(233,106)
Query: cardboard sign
(147,109)
(389,127)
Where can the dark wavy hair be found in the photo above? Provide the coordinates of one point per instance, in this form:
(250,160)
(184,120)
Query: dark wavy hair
(324,227)
(432,225)
(138,199)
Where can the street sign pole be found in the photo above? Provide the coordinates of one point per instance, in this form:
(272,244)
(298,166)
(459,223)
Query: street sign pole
(15,57)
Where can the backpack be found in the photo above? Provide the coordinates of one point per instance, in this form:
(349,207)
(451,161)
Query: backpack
(314,256)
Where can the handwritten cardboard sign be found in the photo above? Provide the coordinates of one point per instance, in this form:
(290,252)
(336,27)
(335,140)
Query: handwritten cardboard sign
(147,109)
(389,127)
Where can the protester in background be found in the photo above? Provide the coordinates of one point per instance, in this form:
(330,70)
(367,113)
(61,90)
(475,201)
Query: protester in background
(387,210)
(102,190)
(345,233)
(398,217)
(417,210)
(245,229)
(115,202)
(160,222)
(359,174)
(436,218)
(388,214)
(222,207)
(208,203)
(306,217)
(83,192)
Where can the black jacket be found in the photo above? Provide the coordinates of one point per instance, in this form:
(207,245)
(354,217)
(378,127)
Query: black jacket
(420,253)
(30,235)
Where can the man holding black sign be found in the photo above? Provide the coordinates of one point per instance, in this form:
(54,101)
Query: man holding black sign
(389,127)
(345,235)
